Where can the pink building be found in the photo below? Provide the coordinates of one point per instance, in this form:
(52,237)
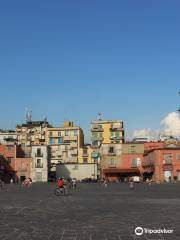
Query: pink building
(22,168)
(13,165)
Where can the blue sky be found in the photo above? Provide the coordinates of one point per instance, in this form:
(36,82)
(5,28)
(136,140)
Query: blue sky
(72,59)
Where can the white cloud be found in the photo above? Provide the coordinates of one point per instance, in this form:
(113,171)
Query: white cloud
(146,133)
(170,126)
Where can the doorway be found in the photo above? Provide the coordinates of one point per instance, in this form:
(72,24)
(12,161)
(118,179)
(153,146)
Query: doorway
(167,176)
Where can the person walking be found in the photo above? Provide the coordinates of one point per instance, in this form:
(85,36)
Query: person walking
(74,183)
(105,183)
(131,183)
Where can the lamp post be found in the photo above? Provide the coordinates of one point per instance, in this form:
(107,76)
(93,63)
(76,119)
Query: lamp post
(94,156)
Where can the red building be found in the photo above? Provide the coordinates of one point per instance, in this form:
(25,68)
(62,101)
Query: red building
(122,161)
(163,164)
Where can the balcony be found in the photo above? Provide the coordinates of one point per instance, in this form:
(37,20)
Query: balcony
(167,161)
(97,138)
(59,153)
(38,155)
(85,154)
(116,127)
(116,138)
(96,129)
(70,138)
(111,153)
(73,145)
(73,159)
(38,165)
(73,138)
(74,152)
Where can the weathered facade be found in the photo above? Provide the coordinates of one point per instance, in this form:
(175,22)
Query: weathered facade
(40,163)
(32,133)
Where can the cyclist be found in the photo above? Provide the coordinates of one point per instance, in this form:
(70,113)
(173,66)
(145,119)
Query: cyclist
(60,182)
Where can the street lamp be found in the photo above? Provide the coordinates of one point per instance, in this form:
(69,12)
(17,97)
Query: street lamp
(94,156)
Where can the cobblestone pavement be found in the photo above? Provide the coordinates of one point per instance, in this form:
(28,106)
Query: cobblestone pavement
(90,212)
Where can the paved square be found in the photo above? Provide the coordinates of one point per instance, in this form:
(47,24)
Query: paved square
(90,212)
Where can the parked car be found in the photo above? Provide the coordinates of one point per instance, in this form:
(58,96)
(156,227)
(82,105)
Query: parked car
(136,179)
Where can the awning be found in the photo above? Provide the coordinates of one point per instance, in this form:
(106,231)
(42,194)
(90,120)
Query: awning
(121,170)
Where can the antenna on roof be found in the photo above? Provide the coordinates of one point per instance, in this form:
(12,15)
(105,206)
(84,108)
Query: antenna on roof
(45,121)
(28,115)
(99,116)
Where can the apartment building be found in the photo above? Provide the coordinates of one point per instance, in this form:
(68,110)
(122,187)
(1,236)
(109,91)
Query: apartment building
(40,163)
(64,143)
(106,132)
(163,164)
(85,154)
(32,133)
(111,161)
(15,164)
(7,136)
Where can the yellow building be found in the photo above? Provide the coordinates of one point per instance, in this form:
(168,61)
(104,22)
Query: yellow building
(85,154)
(106,132)
(65,143)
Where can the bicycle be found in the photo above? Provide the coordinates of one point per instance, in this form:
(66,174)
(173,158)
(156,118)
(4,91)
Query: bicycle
(60,191)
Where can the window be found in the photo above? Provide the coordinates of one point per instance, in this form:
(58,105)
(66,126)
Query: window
(134,163)
(50,134)
(9,148)
(100,127)
(59,134)
(95,143)
(39,163)
(51,140)
(66,133)
(111,150)
(178,156)
(167,158)
(38,152)
(132,149)
(85,151)
(117,134)
(95,134)
(59,140)
(85,160)
(75,132)
(8,160)
(112,163)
